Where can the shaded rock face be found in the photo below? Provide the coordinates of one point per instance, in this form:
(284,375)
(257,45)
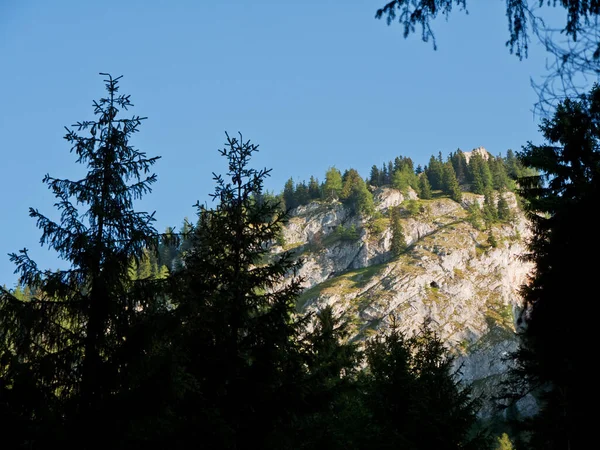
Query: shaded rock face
(450,276)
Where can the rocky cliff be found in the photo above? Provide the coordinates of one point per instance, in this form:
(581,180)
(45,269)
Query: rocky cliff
(452,274)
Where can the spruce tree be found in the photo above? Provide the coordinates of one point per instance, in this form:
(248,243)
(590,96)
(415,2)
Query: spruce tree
(384,177)
(235,339)
(329,416)
(491,239)
(314,188)
(403,163)
(435,173)
(413,395)
(480,175)
(168,251)
(355,194)
(512,164)
(450,183)
(477,184)
(504,213)
(398,244)
(375,176)
(475,215)
(459,162)
(499,174)
(289,194)
(68,352)
(302,194)
(424,187)
(486,172)
(557,330)
(444,408)
(490,211)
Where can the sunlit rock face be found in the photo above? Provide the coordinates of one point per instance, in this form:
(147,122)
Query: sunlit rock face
(450,275)
(479,150)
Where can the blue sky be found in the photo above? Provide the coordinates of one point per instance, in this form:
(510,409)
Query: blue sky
(317,83)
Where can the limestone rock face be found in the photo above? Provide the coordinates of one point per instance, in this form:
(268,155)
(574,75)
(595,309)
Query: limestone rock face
(479,150)
(451,275)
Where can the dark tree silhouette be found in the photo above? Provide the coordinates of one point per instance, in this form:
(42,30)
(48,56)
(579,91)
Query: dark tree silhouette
(68,349)
(235,338)
(552,360)
(413,395)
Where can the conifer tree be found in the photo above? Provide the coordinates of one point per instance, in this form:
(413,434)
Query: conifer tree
(289,194)
(385,177)
(445,409)
(480,175)
(515,167)
(67,352)
(512,163)
(375,176)
(302,194)
(355,194)
(491,239)
(329,417)
(414,397)
(235,337)
(147,267)
(504,213)
(477,183)
(168,250)
(499,174)
(403,163)
(314,188)
(435,173)
(475,215)
(490,211)
(424,187)
(450,183)
(387,387)
(486,172)
(459,162)
(558,331)
(398,239)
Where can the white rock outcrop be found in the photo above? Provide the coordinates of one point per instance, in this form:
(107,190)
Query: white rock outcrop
(450,275)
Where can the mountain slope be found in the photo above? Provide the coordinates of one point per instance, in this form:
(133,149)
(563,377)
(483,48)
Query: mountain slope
(452,274)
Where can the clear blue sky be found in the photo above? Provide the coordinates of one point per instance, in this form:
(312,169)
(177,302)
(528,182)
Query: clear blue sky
(317,83)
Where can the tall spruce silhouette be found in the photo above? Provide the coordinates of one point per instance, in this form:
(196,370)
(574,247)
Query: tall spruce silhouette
(64,352)
(235,338)
(557,332)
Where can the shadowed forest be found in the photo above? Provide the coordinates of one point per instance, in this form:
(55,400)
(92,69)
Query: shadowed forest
(191,337)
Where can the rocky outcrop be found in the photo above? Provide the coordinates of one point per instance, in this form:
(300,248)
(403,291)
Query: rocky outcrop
(479,150)
(452,274)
